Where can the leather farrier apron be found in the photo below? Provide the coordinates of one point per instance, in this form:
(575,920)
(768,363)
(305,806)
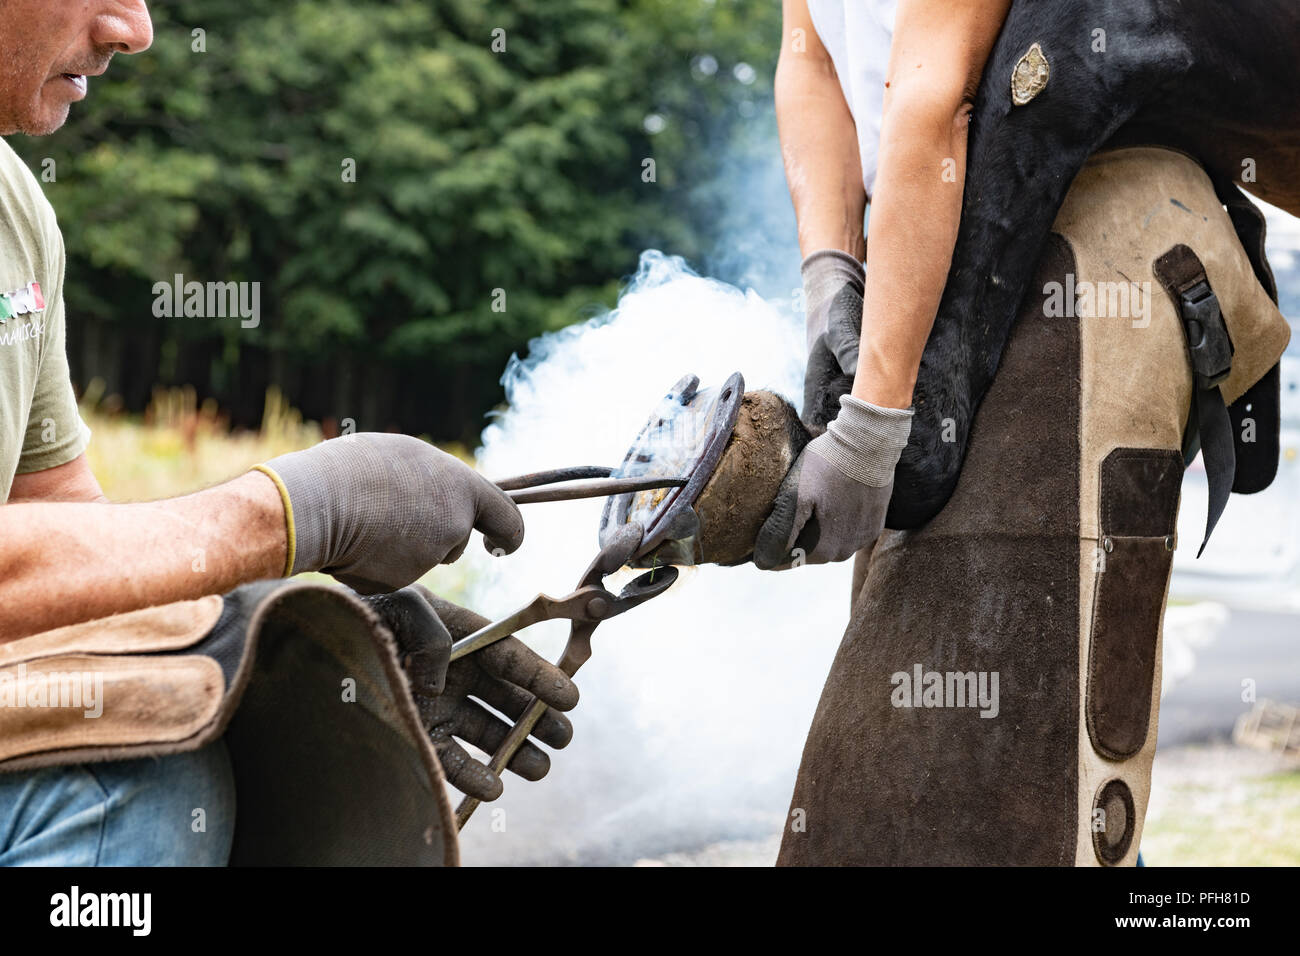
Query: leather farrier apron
(331,763)
(995,696)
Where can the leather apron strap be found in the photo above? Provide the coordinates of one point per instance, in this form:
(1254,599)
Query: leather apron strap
(1210,350)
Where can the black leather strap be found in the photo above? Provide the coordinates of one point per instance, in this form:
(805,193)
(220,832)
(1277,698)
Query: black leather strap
(1257,414)
(1218,453)
(1210,350)
(1261,406)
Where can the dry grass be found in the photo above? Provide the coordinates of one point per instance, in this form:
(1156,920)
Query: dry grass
(1220,805)
(180,446)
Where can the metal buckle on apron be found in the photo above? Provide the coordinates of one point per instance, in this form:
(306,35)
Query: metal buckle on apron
(1208,343)
(1210,351)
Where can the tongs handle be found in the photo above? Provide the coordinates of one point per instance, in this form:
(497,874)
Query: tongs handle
(569,663)
(504,754)
(576,653)
(533,479)
(589,603)
(541,608)
(598,487)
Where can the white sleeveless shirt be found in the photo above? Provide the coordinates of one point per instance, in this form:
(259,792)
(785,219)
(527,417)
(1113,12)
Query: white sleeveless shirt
(857,34)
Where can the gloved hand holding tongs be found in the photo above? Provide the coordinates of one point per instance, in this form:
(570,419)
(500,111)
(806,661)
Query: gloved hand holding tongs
(455,658)
(506,677)
(376,511)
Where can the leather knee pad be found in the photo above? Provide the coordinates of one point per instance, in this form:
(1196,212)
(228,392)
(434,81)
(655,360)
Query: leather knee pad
(332,765)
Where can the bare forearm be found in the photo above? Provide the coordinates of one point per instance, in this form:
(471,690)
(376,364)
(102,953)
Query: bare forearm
(914,221)
(66,562)
(72,481)
(818,141)
(936,60)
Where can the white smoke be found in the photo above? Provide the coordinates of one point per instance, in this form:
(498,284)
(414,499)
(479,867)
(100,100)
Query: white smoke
(695,705)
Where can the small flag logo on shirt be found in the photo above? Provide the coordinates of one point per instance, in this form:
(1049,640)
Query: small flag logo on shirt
(25,301)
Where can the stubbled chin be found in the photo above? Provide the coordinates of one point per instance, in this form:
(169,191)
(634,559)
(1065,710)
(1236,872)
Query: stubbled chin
(45,118)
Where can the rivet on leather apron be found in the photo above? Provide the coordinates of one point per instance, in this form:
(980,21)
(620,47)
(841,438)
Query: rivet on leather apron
(1112,830)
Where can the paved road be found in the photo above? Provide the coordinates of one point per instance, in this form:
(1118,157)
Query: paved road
(1256,645)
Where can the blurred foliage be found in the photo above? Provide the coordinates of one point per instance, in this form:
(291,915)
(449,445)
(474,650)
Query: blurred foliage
(476,170)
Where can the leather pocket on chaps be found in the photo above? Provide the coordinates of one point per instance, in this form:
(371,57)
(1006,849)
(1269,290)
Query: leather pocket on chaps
(1139,506)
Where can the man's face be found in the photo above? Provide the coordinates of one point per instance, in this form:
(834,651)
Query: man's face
(49,49)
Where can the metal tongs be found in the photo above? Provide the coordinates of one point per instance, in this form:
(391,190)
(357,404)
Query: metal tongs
(586,607)
(525,490)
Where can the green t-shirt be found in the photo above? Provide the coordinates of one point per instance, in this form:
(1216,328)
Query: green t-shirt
(39,424)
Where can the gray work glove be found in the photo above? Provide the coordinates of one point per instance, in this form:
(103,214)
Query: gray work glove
(505,676)
(833,289)
(377,511)
(833,500)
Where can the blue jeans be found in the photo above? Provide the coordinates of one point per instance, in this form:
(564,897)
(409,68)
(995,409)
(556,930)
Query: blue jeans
(142,812)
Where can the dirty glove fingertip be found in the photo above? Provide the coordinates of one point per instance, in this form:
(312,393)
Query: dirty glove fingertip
(770,547)
(499,518)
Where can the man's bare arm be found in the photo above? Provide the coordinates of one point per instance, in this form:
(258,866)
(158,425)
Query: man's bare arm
(819,141)
(936,60)
(375,510)
(73,481)
(64,562)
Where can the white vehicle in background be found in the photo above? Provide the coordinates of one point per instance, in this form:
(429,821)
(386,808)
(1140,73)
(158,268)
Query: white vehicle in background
(1253,558)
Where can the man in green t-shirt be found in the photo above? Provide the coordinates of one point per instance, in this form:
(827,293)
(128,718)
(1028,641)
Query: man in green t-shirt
(42,438)
(376,511)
